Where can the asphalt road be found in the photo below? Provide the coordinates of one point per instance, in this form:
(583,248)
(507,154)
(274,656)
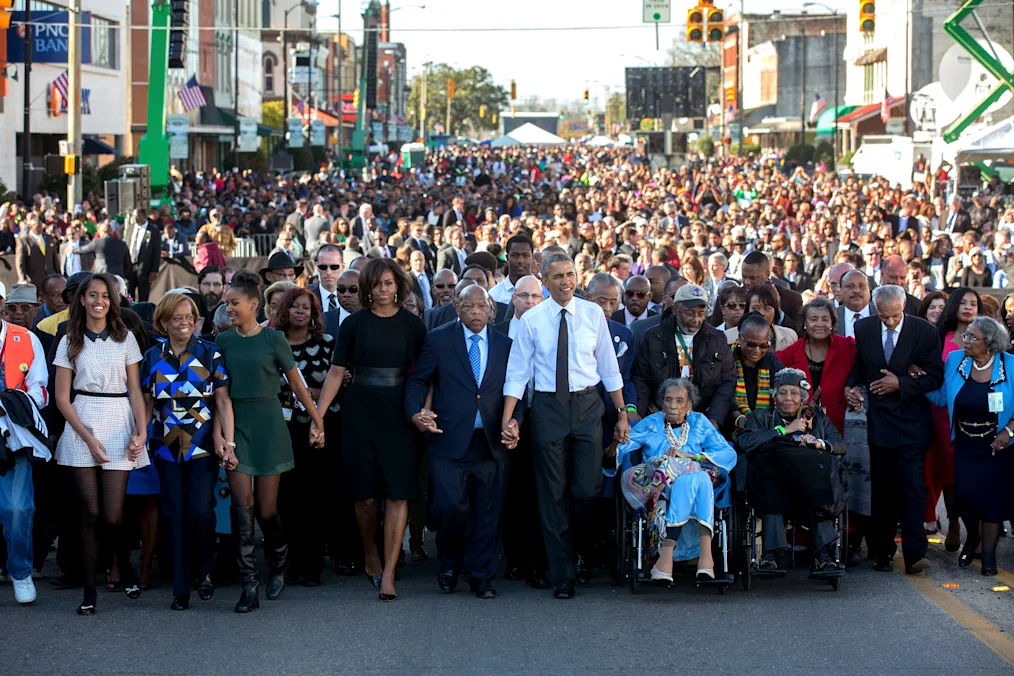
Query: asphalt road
(879,623)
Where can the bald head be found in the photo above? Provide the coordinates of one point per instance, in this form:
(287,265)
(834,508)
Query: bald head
(443,287)
(834,275)
(893,270)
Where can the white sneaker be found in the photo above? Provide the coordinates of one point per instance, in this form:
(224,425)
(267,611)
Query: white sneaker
(24,590)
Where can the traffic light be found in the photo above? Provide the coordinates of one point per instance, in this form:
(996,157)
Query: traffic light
(586,97)
(514,90)
(493,119)
(179,24)
(563,115)
(450,89)
(695,25)
(513,112)
(482,112)
(716,25)
(5,16)
(70,164)
(867,16)
(355,99)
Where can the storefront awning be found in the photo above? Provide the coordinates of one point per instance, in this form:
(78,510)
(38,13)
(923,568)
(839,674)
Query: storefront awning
(93,146)
(827,120)
(775,125)
(871,57)
(315,113)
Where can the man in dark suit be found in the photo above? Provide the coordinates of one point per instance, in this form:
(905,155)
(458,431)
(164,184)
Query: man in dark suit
(894,270)
(756,269)
(636,296)
(523,547)
(799,280)
(68,264)
(899,422)
(445,314)
(455,215)
(957,220)
(452,256)
(420,241)
(145,246)
(110,254)
(297,219)
(466,364)
(37,254)
(380,249)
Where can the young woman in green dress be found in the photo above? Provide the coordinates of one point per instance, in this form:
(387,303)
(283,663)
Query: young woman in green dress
(258,448)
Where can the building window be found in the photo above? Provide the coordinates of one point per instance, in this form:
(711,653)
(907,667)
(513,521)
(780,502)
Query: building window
(269,75)
(266,13)
(104,41)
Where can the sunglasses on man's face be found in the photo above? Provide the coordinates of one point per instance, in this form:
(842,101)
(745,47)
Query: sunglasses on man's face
(638,294)
(336,266)
(734,304)
(443,286)
(349,289)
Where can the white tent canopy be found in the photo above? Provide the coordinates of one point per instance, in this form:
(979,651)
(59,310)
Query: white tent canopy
(600,142)
(527,135)
(992,143)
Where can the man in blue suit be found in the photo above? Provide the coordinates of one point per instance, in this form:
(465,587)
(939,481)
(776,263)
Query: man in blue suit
(466,364)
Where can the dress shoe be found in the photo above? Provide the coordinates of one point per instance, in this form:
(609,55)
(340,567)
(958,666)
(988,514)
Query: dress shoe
(206,589)
(447,581)
(536,579)
(968,552)
(989,563)
(375,579)
(65,582)
(884,564)
(584,569)
(564,590)
(483,589)
(918,566)
(387,597)
(660,575)
(86,609)
(180,603)
(513,573)
(344,568)
(416,543)
(854,559)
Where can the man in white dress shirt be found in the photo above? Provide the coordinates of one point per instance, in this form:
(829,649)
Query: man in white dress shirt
(565,344)
(855,295)
(417,270)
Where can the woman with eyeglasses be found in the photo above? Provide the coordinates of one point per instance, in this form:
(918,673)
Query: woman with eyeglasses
(732,303)
(756,362)
(764,299)
(978,392)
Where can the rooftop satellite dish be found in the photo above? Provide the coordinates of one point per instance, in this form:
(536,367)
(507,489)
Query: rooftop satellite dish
(965,81)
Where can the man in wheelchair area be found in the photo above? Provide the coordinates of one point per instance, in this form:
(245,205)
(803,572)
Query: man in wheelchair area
(794,455)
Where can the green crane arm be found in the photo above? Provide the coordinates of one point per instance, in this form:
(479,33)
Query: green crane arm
(153,148)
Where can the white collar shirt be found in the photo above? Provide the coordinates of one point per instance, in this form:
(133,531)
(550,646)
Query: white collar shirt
(852,317)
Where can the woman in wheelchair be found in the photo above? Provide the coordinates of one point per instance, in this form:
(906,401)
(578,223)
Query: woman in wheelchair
(791,472)
(682,453)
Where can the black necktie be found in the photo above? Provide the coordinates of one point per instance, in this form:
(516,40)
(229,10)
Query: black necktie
(562,349)
(330,302)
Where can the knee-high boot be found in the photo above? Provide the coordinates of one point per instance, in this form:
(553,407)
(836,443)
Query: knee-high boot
(276,548)
(243,530)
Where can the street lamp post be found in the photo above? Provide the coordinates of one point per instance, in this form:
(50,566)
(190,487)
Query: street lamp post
(285,63)
(235,88)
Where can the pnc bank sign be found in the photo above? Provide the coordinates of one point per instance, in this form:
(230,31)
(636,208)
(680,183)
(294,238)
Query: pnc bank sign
(48,35)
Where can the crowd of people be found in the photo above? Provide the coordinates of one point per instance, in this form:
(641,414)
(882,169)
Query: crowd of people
(486,346)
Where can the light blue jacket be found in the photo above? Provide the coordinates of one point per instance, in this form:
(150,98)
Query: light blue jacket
(957,370)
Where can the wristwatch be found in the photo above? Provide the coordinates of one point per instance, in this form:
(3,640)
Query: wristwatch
(621,409)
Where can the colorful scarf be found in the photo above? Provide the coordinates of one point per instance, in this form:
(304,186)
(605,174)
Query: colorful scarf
(763,389)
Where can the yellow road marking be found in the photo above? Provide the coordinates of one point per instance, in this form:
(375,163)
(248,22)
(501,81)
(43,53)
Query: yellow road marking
(986,633)
(1002,575)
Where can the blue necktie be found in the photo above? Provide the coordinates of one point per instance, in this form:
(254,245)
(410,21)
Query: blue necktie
(475,359)
(889,345)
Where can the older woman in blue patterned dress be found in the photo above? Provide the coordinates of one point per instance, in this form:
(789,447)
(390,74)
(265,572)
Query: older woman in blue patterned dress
(691,443)
(185,385)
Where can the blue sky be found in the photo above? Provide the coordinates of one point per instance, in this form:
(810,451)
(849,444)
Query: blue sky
(557,63)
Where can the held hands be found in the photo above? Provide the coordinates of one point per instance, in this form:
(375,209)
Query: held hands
(426,421)
(136,446)
(622,431)
(316,435)
(854,397)
(886,385)
(510,435)
(1001,442)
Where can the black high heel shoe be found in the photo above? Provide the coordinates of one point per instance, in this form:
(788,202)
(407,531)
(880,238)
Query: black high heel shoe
(967,553)
(989,563)
(387,597)
(132,592)
(375,579)
(86,609)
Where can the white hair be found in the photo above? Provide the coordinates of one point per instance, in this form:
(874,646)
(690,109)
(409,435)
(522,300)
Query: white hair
(364,209)
(888,293)
(720,257)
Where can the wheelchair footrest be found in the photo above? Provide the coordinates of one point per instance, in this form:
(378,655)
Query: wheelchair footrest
(755,571)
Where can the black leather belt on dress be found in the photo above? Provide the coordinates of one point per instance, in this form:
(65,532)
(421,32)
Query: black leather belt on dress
(370,376)
(101,394)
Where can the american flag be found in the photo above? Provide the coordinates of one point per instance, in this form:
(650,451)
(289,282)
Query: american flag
(730,115)
(61,83)
(818,107)
(191,96)
(886,105)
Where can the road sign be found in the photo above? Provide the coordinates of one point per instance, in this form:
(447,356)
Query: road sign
(177,128)
(247,135)
(295,129)
(317,132)
(656,11)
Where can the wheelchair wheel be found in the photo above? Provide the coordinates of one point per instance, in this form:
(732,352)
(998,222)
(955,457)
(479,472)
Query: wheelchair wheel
(836,583)
(744,577)
(633,580)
